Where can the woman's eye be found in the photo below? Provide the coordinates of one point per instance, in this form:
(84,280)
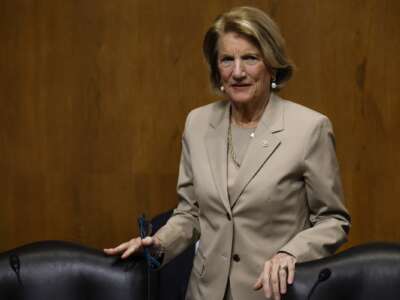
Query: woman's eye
(226,61)
(250,59)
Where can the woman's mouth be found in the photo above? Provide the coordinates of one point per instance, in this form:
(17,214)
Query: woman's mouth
(240,85)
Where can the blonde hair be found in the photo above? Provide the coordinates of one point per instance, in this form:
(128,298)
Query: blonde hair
(261,30)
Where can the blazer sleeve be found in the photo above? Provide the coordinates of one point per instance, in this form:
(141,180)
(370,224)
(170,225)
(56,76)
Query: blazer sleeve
(329,219)
(182,229)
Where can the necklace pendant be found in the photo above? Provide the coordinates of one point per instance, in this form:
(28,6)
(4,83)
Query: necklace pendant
(252,135)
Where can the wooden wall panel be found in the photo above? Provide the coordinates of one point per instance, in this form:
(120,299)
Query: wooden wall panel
(347,69)
(94,94)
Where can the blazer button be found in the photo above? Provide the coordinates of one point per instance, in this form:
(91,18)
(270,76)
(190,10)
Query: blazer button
(236,257)
(228,216)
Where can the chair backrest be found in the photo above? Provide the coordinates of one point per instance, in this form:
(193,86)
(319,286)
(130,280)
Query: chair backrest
(365,272)
(62,270)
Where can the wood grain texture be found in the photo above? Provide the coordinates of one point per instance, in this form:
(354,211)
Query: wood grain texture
(94,94)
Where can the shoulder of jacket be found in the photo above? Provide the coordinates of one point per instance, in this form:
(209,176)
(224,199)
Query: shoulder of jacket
(303,114)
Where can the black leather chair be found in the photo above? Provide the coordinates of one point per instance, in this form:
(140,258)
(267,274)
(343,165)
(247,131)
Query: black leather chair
(365,272)
(57,270)
(62,270)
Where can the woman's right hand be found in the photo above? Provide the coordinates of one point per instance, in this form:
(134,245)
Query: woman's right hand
(134,246)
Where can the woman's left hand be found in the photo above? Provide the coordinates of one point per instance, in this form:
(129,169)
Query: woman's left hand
(277,273)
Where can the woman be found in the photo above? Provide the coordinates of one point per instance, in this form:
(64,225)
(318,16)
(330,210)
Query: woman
(258,183)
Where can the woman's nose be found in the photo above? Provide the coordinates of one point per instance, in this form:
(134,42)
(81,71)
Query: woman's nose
(238,70)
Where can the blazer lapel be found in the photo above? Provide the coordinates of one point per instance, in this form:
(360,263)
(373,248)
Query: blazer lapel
(217,149)
(264,144)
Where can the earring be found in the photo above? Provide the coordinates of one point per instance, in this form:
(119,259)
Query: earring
(222,89)
(273,84)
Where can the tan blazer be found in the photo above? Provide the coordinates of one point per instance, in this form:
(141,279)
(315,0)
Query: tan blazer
(287,197)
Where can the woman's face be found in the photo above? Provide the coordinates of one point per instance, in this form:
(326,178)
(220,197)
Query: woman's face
(244,75)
